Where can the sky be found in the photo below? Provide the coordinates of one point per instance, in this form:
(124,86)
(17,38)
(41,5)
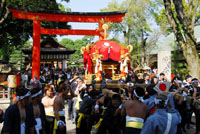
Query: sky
(84,6)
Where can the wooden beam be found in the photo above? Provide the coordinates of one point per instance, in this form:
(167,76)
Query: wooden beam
(69,31)
(66,17)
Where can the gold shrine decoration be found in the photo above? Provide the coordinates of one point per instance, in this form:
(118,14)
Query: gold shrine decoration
(82,50)
(130,49)
(88,48)
(105,28)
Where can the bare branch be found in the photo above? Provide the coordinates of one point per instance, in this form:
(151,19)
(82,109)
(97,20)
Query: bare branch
(196,5)
(6,12)
(183,19)
(190,8)
(170,16)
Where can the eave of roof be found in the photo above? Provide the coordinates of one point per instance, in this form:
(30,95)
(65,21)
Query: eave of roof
(50,50)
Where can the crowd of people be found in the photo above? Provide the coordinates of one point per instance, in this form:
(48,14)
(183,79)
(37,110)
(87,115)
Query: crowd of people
(40,105)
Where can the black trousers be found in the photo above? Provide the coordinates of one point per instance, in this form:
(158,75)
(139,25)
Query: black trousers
(61,131)
(197,117)
(130,130)
(49,124)
(85,125)
(103,128)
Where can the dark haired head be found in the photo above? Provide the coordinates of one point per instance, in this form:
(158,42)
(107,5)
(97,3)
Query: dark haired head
(94,93)
(21,91)
(195,79)
(150,89)
(188,77)
(35,92)
(63,87)
(161,101)
(139,92)
(162,74)
(116,97)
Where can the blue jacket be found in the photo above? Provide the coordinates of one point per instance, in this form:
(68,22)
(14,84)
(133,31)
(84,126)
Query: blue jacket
(157,122)
(150,102)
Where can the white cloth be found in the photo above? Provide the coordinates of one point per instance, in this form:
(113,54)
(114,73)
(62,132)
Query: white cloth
(130,119)
(22,130)
(38,126)
(169,122)
(124,64)
(49,111)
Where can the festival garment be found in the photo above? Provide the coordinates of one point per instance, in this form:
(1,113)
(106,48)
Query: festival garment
(150,103)
(12,123)
(133,125)
(83,122)
(161,122)
(108,122)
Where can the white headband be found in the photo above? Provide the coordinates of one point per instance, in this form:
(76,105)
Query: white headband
(140,98)
(22,97)
(36,94)
(178,81)
(195,81)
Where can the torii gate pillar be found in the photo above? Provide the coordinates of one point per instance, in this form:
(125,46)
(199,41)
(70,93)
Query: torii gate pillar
(36,49)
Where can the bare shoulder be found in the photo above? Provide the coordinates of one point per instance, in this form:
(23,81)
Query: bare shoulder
(57,99)
(127,103)
(144,105)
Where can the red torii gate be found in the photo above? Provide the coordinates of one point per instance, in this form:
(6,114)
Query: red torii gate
(89,17)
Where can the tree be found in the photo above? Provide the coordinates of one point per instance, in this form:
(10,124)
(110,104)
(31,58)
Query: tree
(135,26)
(182,16)
(76,45)
(15,32)
(17,54)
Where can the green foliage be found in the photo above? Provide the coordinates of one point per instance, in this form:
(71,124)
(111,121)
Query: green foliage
(116,40)
(15,32)
(76,45)
(179,68)
(136,25)
(17,54)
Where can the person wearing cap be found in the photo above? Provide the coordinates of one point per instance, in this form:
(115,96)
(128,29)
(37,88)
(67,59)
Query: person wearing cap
(59,105)
(38,110)
(134,112)
(161,121)
(19,117)
(196,96)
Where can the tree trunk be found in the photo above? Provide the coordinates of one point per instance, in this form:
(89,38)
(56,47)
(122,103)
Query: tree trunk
(192,58)
(183,30)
